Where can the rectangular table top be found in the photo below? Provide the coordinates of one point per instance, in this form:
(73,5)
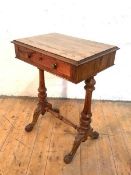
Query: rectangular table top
(67,48)
(68,57)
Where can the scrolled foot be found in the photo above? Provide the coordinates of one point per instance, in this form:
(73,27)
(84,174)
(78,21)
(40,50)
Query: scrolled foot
(68,158)
(29,127)
(94,135)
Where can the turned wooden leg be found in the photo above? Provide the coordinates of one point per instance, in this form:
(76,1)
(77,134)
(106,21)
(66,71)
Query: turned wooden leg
(85,129)
(42,104)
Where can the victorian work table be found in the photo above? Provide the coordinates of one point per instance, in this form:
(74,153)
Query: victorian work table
(73,59)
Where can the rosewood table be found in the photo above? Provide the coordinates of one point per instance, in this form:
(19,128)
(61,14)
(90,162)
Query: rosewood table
(73,59)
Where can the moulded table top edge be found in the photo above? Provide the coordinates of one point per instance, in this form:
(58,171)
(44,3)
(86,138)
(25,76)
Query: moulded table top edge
(65,59)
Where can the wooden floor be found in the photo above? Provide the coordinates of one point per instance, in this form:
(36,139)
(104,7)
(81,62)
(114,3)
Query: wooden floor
(41,152)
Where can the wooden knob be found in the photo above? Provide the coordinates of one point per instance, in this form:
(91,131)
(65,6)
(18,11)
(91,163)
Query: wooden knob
(30,54)
(54,66)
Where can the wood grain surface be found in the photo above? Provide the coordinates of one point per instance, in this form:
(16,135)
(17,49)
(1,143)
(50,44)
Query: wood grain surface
(68,48)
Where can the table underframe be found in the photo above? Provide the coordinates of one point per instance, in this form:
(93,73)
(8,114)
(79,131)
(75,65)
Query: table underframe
(84,130)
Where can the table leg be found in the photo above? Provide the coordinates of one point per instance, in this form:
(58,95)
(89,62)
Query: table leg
(42,104)
(85,121)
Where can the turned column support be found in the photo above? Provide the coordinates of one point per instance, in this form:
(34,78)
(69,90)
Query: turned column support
(86,114)
(85,128)
(43,106)
(42,102)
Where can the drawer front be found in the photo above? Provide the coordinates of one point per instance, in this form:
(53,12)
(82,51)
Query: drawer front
(42,61)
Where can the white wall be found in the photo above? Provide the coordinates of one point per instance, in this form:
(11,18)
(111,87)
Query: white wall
(102,21)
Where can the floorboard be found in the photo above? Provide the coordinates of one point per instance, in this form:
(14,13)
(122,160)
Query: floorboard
(41,151)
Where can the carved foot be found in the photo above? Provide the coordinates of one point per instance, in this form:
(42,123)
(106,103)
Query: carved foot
(36,114)
(94,135)
(78,139)
(68,158)
(29,127)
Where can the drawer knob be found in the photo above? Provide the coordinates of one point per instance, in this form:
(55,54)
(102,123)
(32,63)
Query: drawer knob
(30,54)
(54,66)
